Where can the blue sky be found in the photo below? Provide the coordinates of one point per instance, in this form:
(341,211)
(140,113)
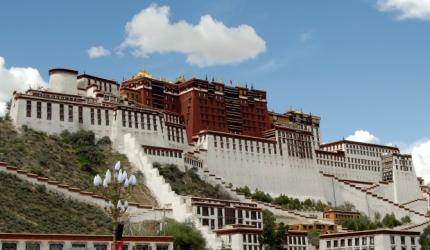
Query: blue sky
(354,63)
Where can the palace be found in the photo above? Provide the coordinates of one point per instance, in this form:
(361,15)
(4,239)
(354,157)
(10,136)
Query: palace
(228,132)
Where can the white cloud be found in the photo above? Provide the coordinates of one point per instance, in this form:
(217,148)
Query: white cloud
(305,36)
(19,79)
(97,51)
(363,136)
(421,158)
(406,9)
(207,43)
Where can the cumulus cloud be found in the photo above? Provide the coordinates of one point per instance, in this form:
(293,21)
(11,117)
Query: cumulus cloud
(97,51)
(406,9)
(421,158)
(207,43)
(363,136)
(16,78)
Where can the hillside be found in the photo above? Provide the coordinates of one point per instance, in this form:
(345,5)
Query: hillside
(189,183)
(30,208)
(70,158)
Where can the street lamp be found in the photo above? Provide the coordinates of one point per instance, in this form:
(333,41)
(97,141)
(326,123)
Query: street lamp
(116,189)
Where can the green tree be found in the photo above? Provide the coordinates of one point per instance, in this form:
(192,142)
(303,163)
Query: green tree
(390,221)
(314,238)
(244,190)
(405,219)
(425,239)
(186,236)
(273,236)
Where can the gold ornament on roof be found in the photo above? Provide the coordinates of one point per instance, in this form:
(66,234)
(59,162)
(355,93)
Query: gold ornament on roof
(143,73)
(180,78)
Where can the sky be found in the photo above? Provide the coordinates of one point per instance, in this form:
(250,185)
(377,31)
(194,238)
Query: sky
(362,65)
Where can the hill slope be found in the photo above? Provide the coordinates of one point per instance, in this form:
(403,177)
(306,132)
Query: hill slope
(30,208)
(69,158)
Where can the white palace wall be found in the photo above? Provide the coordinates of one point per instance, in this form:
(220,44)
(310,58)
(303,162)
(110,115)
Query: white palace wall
(272,172)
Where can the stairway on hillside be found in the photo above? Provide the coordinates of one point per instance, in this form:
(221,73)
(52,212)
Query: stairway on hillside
(370,196)
(163,191)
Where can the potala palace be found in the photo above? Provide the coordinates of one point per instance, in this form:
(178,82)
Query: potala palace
(229,135)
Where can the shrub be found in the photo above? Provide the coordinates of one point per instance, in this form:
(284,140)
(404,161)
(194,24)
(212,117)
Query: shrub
(186,236)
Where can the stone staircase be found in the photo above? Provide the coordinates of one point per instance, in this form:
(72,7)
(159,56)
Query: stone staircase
(211,178)
(163,192)
(377,201)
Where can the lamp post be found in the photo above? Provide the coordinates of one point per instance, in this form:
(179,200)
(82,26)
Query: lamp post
(116,189)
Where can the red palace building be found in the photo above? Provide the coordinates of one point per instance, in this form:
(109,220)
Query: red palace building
(203,104)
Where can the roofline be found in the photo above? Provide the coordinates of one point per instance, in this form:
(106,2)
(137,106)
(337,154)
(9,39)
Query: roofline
(369,232)
(71,71)
(97,78)
(359,143)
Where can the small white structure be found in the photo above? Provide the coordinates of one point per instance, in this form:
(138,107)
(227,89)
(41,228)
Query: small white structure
(384,239)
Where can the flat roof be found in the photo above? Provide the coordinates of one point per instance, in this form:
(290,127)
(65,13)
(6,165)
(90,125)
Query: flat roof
(358,143)
(369,232)
(97,78)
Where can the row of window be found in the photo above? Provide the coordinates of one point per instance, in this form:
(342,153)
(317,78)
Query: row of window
(140,119)
(70,113)
(175,134)
(245,144)
(193,162)
(297,240)
(345,165)
(162,152)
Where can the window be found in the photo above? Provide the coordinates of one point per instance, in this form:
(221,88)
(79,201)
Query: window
(136,121)
(39,110)
(154,119)
(162,247)
(9,246)
(99,117)
(55,246)
(80,115)
(92,116)
(28,108)
(107,116)
(123,118)
(142,247)
(70,113)
(61,112)
(49,111)
(129,119)
(32,246)
(412,240)
(79,246)
(100,246)
(402,240)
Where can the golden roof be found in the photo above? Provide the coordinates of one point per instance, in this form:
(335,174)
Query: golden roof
(143,73)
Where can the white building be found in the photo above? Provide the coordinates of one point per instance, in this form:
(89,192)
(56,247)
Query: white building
(289,159)
(11,241)
(371,240)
